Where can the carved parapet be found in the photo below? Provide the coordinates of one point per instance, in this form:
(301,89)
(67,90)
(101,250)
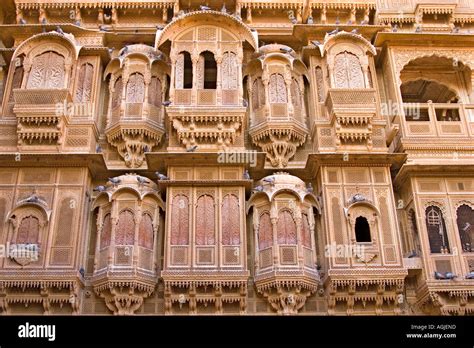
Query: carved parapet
(446,297)
(41,115)
(195,292)
(47,288)
(207,127)
(133,139)
(279,140)
(360,291)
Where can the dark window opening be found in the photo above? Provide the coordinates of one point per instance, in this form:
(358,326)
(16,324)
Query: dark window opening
(437,233)
(188,71)
(465,222)
(210,70)
(362,230)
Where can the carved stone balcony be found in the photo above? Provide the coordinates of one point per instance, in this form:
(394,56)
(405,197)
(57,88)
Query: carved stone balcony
(278,130)
(125,266)
(134,129)
(41,115)
(351,112)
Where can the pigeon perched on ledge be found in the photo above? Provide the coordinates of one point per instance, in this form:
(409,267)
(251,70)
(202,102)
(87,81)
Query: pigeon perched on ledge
(100,188)
(161,176)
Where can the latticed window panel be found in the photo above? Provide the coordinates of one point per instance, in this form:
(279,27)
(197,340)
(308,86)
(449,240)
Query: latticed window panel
(265,234)
(230,214)
(145,232)
(47,71)
(106,232)
(154,92)
(348,71)
(28,231)
(288,255)
(437,233)
(229,68)
(305,231)
(180,220)
(117,93)
(286,228)
(205,221)
(135,88)
(465,224)
(277,89)
(125,229)
(320,84)
(84,83)
(179,72)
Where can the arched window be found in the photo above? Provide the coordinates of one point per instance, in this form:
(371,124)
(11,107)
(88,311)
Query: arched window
(229,70)
(106,232)
(305,231)
(154,92)
(286,228)
(205,221)
(28,231)
(117,93)
(437,233)
(277,89)
(180,220)
(125,229)
(465,222)
(135,88)
(258,94)
(230,220)
(145,232)
(207,71)
(265,235)
(84,83)
(348,71)
(320,84)
(362,230)
(47,71)
(184,71)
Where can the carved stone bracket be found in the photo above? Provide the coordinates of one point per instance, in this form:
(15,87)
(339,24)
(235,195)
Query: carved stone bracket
(279,143)
(133,141)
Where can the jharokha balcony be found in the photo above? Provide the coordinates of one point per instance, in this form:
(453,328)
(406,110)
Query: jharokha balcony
(135,122)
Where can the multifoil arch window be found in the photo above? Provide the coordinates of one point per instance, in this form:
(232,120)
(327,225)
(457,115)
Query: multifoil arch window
(135,88)
(436,227)
(230,220)
(84,83)
(205,221)
(362,230)
(145,232)
(125,229)
(180,220)
(229,70)
(47,71)
(348,71)
(265,234)
(286,228)
(183,71)
(277,86)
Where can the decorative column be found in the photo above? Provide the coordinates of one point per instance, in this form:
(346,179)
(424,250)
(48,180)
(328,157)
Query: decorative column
(99,224)
(274,221)
(173,58)
(114,221)
(195,60)
(137,217)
